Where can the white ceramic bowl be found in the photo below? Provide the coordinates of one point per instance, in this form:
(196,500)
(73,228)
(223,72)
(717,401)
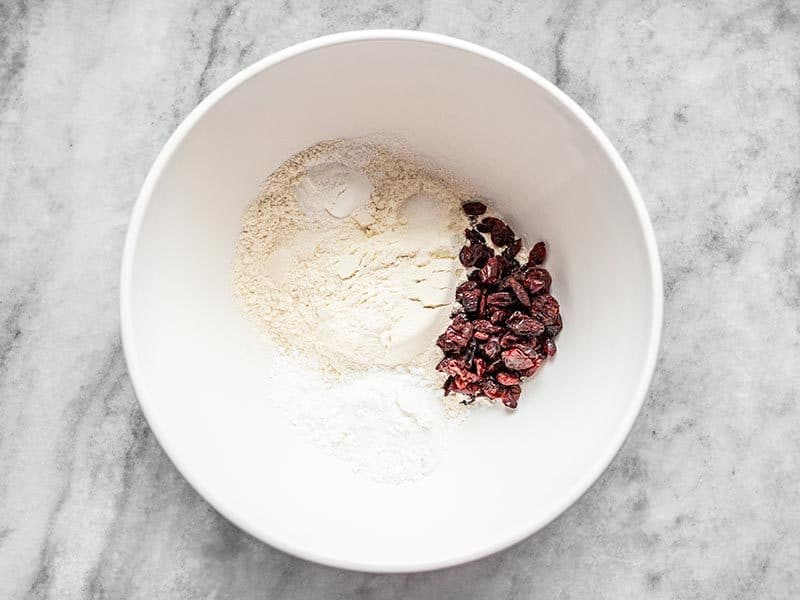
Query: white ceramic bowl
(197,364)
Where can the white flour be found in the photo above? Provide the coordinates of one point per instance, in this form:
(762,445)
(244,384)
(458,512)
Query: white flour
(348,261)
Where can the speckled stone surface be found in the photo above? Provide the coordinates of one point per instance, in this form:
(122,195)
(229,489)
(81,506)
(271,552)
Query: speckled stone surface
(703,100)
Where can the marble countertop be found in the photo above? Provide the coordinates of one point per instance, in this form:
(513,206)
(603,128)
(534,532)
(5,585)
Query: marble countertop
(703,101)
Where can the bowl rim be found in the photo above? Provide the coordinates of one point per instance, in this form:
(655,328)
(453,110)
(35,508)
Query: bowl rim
(142,203)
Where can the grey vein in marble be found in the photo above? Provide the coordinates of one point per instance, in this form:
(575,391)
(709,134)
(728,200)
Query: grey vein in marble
(703,101)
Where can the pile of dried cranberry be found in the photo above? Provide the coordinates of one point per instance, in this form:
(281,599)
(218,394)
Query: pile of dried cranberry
(505,327)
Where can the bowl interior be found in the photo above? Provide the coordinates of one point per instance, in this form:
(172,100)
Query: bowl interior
(200,368)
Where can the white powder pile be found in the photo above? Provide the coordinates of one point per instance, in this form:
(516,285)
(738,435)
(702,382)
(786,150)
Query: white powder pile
(347,259)
(387,426)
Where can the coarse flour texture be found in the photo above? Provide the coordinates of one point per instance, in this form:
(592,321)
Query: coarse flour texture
(347,260)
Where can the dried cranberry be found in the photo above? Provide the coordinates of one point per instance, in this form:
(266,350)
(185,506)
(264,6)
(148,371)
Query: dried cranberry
(474,275)
(529,349)
(546,308)
(500,299)
(480,367)
(491,349)
(452,366)
(488,224)
(502,236)
(511,395)
(513,249)
(554,329)
(507,379)
(484,326)
(491,388)
(495,367)
(523,325)
(465,287)
(490,273)
(473,236)
(498,316)
(515,359)
(469,295)
(470,353)
(538,254)
(519,291)
(509,340)
(484,253)
(537,279)
(550,348)
(473,209)
(469,254)
(455,339)
(482,306)
(469,386)
(537,362)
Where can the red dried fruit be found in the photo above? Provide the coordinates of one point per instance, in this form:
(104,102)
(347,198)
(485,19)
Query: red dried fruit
(473,236)
(538,254)
(515,359)
(469,297)
(500,299)
(470,353)
(495,367)
(484,326)
(480,367)
(497,316)
(465,386)
(504,264)
(456,337)
(537,362)
(546,308)
(452,366)
(466,287)
(523,325)
(491,349)
(482,306)
(513,249)
(490,273)
(466,378)
(519,291)
(473,209)
(554,329)
(511,395)
(491,388)
(469,254)
(530,348)
(488,348)
(509,340)
(484,253)
(502,236)
(507,379)
(537,279)
(488,224)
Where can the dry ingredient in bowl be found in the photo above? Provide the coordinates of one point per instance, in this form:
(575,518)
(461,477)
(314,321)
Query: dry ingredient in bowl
(348,257)
(508,318)
(348,261)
